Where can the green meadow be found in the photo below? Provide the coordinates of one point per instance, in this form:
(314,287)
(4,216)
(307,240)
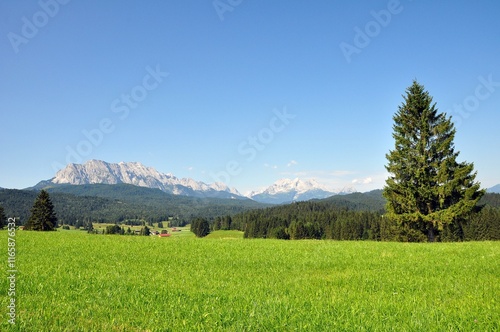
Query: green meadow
(73,281)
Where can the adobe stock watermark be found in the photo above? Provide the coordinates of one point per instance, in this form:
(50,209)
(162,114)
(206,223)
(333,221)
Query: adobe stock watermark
(223,6)
(372,29)
(252,145)
(471,103)
(12,270)
(120,107)
(31,26)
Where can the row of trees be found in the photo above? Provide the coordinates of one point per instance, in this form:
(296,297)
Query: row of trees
(117,229)
(321,220)
(73,208)
(309,220)
(222,223)
(43,218)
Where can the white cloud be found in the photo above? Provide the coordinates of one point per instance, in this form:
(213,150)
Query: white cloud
(367,180)
(338,179)
(266,165)
(333,180)
(319,174)
(291,163)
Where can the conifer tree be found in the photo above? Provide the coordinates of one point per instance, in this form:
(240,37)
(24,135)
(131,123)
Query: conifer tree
(200,227)
(145,231)
(427,187)
(43,216)
(89,227)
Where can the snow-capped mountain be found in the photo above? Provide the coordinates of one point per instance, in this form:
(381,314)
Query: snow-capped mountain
(97,171)
(287,190)
(135,173)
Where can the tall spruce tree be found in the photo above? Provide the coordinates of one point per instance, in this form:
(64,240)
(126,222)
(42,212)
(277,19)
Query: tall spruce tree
(43,216)
(427,187)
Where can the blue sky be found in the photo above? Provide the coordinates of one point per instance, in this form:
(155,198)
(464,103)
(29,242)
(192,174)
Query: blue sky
(247,92)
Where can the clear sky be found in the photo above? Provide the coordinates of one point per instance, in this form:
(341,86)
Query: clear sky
(246,92)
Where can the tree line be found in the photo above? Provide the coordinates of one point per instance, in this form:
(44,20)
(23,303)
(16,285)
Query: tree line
(327,219)
(121,204)
(323,220)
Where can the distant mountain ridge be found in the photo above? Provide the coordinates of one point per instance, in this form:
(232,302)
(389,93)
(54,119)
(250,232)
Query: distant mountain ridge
(135,173)
(287,191)
(494,189)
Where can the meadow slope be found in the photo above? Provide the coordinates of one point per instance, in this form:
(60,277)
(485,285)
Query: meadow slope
(73,281)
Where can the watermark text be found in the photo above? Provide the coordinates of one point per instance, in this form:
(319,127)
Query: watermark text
(31,26)
(252,145)
(372,29)
(121,107)
(11,271)
(223,6)
(470,104)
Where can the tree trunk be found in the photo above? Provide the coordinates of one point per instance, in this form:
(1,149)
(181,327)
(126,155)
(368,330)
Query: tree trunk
(430,234)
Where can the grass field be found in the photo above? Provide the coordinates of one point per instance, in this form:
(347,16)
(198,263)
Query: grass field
(73,281)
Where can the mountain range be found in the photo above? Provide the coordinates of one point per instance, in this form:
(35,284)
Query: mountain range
(106,192)
(286,191)
(135,173)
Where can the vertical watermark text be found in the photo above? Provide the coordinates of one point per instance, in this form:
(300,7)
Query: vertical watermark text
(11,270)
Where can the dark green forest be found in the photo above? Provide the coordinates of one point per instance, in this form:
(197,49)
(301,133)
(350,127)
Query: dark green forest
(121,203)
(359,217)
